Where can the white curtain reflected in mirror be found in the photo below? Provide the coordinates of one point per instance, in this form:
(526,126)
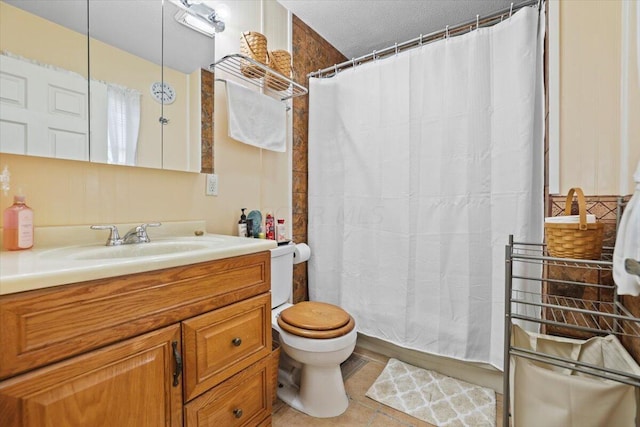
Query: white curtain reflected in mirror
(123,124)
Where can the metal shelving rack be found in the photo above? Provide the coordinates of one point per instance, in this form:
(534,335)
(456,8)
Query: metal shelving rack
(256,73)
(559,314)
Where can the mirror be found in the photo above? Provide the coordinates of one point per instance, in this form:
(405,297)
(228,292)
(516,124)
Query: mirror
(43,80)
(142,106)
(125,117)
(187,54)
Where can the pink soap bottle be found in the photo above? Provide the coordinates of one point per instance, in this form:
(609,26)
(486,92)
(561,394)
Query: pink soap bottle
(17,232)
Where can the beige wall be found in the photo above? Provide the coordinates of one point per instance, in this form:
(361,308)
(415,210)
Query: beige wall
(67,192)
(592,143)
(249,177)
(58,46)
(634,92)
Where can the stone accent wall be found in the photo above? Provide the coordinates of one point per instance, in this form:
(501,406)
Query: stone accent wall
(206,117)
(310,53)
(605,210)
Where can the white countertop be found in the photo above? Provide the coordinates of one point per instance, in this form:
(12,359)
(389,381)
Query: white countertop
(48,263)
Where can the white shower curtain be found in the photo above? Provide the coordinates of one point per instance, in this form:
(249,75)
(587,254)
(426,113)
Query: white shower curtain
(420,166)
(123,124)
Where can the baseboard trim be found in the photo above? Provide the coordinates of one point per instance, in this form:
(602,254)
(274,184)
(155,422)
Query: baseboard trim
(476,373)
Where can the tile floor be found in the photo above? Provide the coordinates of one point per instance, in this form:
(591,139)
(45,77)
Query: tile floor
(362,412)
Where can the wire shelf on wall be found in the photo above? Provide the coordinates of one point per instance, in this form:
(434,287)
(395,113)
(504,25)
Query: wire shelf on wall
(270,81)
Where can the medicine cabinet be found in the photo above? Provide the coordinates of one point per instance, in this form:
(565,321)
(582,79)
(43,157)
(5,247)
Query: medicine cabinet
(106,81)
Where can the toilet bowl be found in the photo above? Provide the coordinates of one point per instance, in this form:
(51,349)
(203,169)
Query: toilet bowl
(315,338)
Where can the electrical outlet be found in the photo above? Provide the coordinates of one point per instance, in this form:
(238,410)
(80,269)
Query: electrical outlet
(212,184)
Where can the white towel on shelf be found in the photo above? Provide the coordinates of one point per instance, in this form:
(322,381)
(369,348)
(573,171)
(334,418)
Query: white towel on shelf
(628,243)
(256,119)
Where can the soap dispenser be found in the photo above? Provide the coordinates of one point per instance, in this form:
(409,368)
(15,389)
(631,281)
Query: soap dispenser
(242,224)
(18,226)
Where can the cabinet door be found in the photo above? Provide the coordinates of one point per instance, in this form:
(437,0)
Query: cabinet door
(243,400)
(223,342)
(126,384)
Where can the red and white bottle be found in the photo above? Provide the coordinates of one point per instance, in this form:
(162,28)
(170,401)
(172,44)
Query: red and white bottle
(270,227)
(17,229)
(281,231)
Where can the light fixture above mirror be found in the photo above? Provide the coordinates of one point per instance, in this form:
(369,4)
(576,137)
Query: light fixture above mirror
(199,17)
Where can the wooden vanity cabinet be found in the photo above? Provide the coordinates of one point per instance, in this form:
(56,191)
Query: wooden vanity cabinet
(126,384)
(188,345)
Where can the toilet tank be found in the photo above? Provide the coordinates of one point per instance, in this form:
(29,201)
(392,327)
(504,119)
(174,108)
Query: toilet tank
(281,274)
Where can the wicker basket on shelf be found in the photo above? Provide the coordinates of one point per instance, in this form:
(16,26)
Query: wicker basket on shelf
(280,61)
(579,240)
(254,46)
(275,363)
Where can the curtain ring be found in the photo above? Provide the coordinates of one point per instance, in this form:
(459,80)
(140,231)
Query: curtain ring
(420,39)
(511,10)
(396,45)
(374,56)
(477,22)
(353,62)
(335,69)
(446,32)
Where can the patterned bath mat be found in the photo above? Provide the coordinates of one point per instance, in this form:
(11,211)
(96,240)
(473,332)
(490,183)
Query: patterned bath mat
(433,397)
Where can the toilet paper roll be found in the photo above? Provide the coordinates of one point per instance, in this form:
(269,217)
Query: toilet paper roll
(301,253)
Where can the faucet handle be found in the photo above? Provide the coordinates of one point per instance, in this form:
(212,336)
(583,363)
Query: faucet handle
(114,236)
(142,230)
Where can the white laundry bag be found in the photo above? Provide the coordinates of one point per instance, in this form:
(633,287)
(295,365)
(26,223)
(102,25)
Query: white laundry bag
(547,395)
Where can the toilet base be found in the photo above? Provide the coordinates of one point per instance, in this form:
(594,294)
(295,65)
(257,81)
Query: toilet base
(320,392)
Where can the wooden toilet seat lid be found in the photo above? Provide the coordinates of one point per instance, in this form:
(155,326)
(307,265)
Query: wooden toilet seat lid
(313,319)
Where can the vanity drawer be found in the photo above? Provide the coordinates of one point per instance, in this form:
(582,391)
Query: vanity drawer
(47,325)
(242,400)
(221,343)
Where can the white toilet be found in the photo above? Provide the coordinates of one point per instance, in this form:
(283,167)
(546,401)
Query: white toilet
(315,338)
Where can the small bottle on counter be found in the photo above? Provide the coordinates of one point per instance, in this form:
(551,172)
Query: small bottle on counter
(270,229)
(18,226)
(242,224)
(281,231)
(250,227)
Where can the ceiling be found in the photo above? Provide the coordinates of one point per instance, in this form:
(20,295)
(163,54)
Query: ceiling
(354,27)
(357,27)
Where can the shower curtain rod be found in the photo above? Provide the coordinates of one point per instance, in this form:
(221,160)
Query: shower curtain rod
(459,29)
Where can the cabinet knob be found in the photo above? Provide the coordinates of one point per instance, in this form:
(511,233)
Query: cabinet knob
(237,341)
(237,412)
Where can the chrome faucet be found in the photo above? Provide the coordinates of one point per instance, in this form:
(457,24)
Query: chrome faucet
(137,234)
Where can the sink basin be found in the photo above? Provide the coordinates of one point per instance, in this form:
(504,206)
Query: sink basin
(137,250)
(73,254)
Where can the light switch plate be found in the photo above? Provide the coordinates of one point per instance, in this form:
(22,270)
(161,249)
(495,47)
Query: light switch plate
(212,184)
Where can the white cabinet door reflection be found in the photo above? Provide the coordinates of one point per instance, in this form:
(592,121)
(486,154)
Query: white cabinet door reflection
(43,110)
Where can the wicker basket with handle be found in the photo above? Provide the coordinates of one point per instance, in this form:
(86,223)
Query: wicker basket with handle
(580,240)
(254,46)
(280,61)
